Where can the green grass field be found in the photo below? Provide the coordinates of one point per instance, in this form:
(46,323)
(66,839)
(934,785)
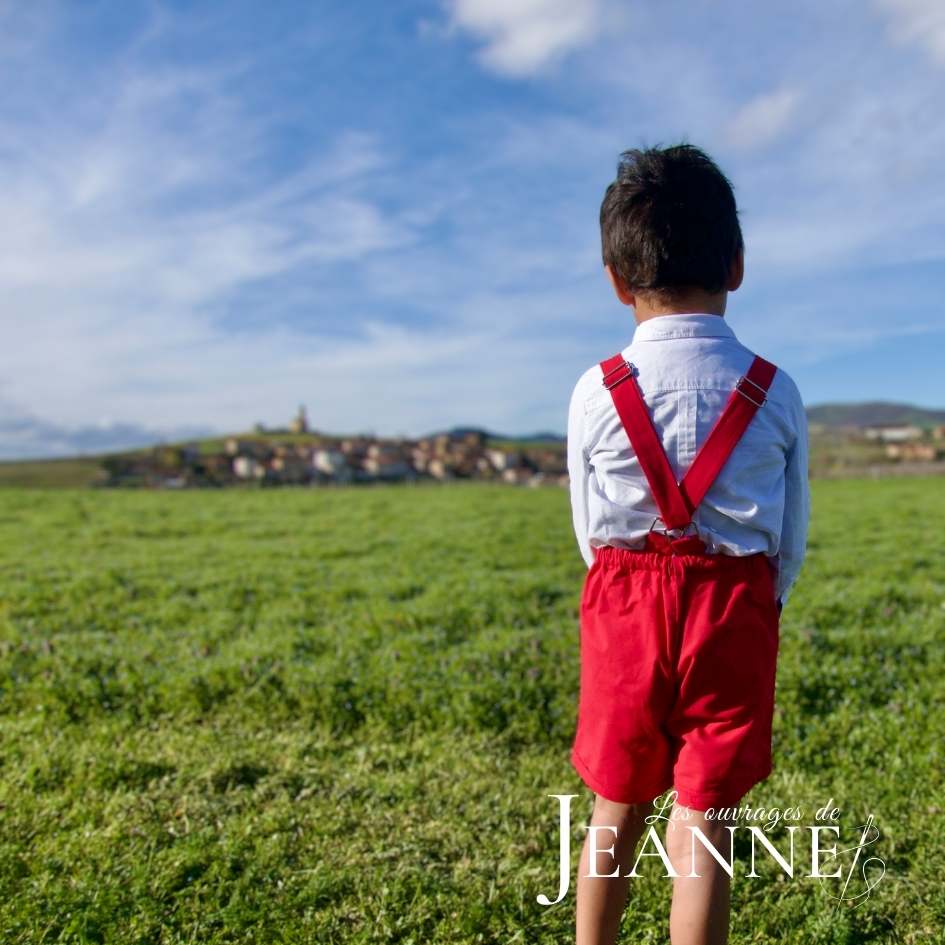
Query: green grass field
(74,472)
(335,715)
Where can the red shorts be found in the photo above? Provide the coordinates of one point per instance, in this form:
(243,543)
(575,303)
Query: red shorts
(678,659)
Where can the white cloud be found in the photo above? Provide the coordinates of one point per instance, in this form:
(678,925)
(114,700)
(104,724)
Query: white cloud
(918,21)
(764,119)
(167,258)
(522,36)
(26,436)
(135,217)
(155,269)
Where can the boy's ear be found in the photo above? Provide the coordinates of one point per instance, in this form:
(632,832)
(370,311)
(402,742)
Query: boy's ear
(737,272)
(620,287)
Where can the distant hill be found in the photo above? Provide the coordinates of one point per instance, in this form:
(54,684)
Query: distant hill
(864,414)
(86,468)
(541,437)
(873,413)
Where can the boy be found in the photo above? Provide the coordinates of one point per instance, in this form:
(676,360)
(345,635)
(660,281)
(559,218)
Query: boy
(686,580)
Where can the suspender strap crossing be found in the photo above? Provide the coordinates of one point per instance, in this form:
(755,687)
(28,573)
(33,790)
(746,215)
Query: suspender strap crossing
(677,501)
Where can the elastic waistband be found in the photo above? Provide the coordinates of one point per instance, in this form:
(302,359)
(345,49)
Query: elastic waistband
(660,551)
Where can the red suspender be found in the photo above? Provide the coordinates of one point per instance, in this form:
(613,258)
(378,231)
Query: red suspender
(645,441)
(677,501)
(749,394)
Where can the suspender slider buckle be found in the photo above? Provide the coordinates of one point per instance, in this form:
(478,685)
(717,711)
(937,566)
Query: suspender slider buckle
(753,396)
(618,374)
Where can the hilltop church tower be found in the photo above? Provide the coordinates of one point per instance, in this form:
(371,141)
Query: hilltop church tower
(300,422)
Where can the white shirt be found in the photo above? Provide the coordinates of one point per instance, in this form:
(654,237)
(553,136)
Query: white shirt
(687,365)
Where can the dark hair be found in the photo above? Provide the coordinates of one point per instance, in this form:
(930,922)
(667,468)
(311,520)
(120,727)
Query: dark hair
(669,221)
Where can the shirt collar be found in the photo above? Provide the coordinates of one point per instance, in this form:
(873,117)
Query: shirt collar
(689,325)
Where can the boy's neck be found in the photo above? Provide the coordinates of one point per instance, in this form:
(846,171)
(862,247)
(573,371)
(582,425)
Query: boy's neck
(695,303)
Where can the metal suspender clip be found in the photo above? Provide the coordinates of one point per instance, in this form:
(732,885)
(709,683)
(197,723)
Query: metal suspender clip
(745,380)
(610,381)
(679,532)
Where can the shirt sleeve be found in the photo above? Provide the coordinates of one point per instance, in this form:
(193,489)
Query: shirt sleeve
(579,471)
(796,507)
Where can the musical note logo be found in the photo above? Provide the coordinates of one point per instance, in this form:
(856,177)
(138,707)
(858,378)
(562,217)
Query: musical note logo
(857,891)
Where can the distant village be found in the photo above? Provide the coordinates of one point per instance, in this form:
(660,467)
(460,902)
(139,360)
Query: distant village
(298,456)
(876,450)
(909,443)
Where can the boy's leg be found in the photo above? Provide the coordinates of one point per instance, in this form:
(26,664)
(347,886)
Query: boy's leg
(722,718)
(700,910)
(601,900)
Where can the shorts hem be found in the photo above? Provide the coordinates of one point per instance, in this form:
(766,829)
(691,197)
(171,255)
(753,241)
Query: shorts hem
(609,792)
(702,800)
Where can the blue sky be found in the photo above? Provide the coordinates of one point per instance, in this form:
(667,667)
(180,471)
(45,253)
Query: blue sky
(388,212)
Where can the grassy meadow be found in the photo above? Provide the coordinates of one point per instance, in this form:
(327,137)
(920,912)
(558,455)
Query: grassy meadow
(334,716)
